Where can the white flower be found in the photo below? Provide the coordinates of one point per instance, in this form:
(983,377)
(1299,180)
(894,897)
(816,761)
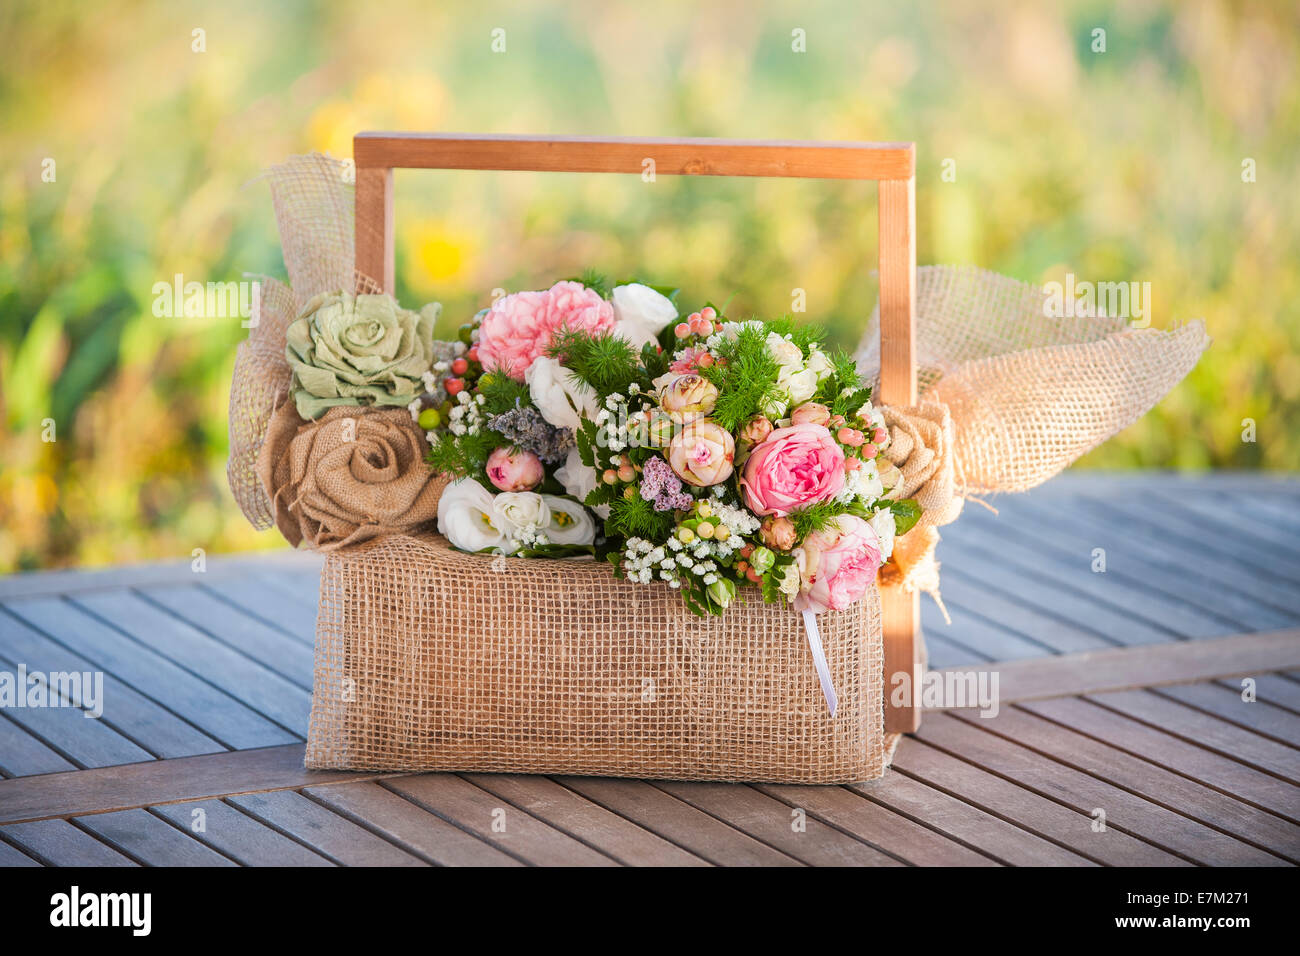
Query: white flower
(819,364)
(571,523)
(517,510)
(787,354)
(640,313)
(579,480)
(882,523)
(465,516)
(558,394)
(800,385)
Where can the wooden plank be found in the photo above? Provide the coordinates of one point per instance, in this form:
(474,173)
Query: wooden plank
(986,570)
(973,826)
(679,822)
(264,600)
(1244,570)
(1249,537)
(882,828)
(492,820)
(774,823)
(1257,715)
(236,835)
(162,781)
(266,692)
(1070,746)
(1029,547)
(968,629)
(323,830)
(22,754)
(939,650)
(900,615)
(59,843)
(565,810)
(625,154)
(31,584)
(152,727)
(12,856)
(1048,630)
(1124,810)
(216,713)
(1273,689)
(1038,814)
(289,658)
(1146,665)
(154,842)
(1220,590)
(1197,763)
(375,242)
(1205,731)
(409,826)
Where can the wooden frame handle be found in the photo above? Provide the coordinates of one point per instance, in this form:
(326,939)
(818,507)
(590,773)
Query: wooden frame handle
(892,165)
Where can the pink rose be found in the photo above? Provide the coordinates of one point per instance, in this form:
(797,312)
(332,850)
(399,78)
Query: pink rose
(796,466)
(836,566)
(521,471)
(518,328)
(811,413)
(702,454)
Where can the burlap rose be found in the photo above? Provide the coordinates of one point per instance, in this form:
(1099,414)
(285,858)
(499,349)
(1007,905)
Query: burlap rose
(347,477)
(920,447)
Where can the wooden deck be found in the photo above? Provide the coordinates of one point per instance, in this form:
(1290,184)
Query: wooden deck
(1121,704)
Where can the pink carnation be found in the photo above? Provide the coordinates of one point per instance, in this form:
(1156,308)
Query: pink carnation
(519,327)
(836,566)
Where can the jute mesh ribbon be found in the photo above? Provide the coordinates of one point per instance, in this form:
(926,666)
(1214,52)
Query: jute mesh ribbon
(1008,396)
(430,659)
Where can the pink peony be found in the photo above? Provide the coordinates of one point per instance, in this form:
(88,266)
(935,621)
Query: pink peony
(521,471)
(518,327)
(794,467)
(836,566)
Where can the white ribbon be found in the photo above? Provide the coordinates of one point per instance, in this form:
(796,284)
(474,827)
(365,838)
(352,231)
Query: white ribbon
(819,660)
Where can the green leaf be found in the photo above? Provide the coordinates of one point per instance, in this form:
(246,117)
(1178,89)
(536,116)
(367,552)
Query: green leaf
(906,514)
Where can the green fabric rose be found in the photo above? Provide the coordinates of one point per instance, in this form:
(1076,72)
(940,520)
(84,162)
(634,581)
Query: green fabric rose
(358,350)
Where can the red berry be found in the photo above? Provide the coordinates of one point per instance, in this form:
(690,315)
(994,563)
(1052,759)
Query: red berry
(682,330)
(454,385)
(709,313)
(460,366)
(472,355)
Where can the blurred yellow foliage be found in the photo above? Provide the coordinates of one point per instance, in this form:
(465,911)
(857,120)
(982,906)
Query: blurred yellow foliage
(1161,149)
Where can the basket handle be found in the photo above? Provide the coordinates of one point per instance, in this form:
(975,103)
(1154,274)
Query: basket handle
(892,165)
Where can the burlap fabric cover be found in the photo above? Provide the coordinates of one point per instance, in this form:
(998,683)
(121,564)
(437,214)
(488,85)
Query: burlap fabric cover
(430,659)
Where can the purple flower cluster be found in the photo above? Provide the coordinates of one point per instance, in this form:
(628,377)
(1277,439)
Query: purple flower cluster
(525,427)
(660,486)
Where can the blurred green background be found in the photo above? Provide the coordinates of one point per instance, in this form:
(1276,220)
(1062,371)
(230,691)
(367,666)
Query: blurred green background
(1117,165)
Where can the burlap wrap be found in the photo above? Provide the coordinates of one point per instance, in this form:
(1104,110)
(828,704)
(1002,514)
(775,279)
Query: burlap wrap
(429,659)
(349,476)
(1009,396)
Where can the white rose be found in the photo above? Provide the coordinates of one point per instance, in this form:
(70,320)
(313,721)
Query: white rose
(640,313)
(515,510)
(787,354)
(801,385)
(819,364)
(562,399)
(571,523)
(465,516)
(882,523)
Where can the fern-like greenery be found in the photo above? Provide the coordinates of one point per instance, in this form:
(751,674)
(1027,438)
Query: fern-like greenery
(817,517)
(462,456)
(501,393)
(745,378)
(605,363)
(634,517)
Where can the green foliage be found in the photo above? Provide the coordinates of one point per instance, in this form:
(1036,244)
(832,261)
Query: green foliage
(817,517)
(463,456)
(593,280)
(501,393)
(906,514)
(746,380)
(803,334)
(634,517)
(605,363)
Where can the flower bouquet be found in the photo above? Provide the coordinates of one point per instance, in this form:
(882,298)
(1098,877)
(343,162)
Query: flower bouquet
(721,459)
